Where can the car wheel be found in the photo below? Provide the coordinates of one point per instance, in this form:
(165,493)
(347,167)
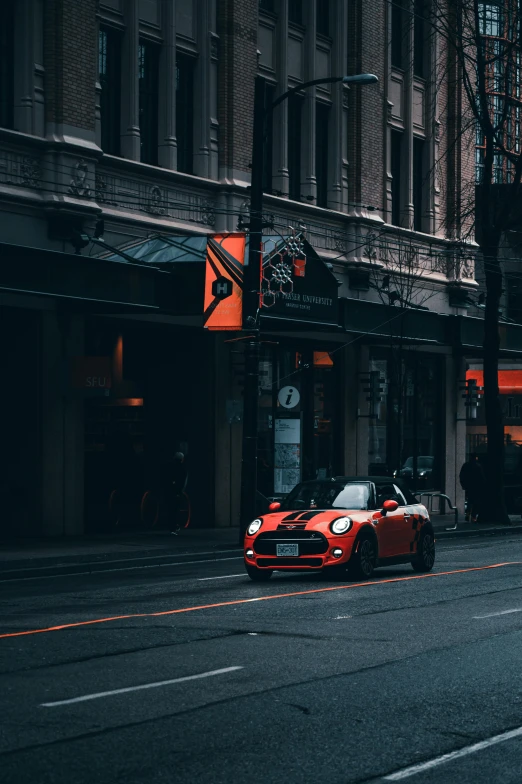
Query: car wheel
(425,557)
(363,561)
(258,575)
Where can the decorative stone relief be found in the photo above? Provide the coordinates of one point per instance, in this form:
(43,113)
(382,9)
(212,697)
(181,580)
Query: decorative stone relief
(79,184)
(214,46)
(19,169)
(142,196)
(30,172)
(103,189)
(156,201)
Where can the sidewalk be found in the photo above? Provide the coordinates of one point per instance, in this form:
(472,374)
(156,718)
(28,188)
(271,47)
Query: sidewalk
(90,554)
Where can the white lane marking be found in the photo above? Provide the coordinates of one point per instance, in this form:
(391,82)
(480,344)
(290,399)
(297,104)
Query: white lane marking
(121,569)
(155,685)
(342,617)
(453,755)
(495,614)
(221,577)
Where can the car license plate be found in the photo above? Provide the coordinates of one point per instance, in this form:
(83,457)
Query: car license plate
(287,549)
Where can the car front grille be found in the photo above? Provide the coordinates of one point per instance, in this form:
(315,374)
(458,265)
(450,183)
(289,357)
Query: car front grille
(274,563)
(310,542)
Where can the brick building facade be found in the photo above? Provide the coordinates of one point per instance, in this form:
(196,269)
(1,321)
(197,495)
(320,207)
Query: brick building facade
(140,112)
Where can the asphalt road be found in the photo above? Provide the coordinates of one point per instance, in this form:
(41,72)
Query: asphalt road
(193,673)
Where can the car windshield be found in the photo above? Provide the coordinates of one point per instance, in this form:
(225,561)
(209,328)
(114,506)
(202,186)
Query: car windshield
(422,462)
(328,495)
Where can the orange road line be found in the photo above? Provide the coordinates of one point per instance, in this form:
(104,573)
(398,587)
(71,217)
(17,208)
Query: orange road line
(257,599)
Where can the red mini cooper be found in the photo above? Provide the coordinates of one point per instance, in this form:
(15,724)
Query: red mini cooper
(345,526)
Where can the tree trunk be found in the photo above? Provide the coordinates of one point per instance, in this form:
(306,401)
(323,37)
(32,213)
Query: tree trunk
(494,506)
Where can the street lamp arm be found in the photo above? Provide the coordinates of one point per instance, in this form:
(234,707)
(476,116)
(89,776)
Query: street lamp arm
(356,79)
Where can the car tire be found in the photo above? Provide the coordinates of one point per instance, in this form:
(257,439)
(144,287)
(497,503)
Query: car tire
(364,559)
(425,556)
(258,575)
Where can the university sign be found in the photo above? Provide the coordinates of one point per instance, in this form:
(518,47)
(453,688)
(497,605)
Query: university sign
(296,283)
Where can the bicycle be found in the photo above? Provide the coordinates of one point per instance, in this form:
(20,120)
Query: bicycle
(155,506)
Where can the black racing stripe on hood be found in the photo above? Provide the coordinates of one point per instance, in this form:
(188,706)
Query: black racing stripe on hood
(292,516)
(309,515)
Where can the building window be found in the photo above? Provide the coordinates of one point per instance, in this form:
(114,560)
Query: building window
(295,11)
(266,5)
(148,82)
(418,184)
(397,33)
(7,66)
(323,18)
(322,114)
(109,70)
(490,19)
(395,168)
(419,38)
(294,146)
(269,141)
(185,112)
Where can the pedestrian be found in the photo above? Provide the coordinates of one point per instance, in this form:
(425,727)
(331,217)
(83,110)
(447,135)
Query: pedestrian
(472,480)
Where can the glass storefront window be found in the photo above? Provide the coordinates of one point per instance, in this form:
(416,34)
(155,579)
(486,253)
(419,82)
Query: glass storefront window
(406,435)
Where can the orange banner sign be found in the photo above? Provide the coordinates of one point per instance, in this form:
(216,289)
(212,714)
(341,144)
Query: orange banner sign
(224,282)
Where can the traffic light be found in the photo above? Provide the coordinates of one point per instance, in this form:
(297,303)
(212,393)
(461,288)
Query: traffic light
(472,395)
(374,390)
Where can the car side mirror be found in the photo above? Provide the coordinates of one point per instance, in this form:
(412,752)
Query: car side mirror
(389,506)
(274,506)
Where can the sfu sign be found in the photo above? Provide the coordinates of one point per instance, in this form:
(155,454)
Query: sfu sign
(297,284)
(91,374)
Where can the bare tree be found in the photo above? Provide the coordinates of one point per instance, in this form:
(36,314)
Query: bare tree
(480,61)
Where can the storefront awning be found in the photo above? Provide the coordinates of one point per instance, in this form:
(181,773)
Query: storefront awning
(92,283)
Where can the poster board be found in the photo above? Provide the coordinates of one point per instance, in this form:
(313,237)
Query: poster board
(287,454)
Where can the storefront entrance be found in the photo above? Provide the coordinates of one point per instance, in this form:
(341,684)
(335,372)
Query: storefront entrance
(160,403)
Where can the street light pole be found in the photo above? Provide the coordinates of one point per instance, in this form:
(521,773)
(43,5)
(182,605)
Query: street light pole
(252,285)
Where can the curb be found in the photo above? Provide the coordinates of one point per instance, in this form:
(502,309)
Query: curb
(122,564)
(496,531)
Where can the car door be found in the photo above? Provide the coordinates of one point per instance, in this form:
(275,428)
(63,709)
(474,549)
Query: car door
(391,527)
(406,533)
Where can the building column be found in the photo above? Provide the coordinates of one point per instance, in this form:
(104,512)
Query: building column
(455,430)
(408,206)
(338,131)
(388,179)
(433,136)
(309,180)
(62,428)
(205,104)
(24,54)
(167,144)
(130,93)
(280,179)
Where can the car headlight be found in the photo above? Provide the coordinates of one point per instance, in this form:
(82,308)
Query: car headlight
(422,473)
(254,526)
(341,525)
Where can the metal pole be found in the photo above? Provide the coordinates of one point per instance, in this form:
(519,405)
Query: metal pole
(252,277)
